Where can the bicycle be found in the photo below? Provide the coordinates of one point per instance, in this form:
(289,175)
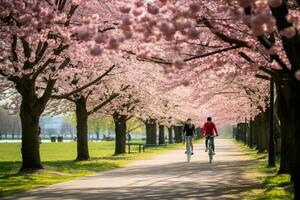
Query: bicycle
(189,148)
(210,149)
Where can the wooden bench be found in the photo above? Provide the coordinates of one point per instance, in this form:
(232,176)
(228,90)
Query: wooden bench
(141,146)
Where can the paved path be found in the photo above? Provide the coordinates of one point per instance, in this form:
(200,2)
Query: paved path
(166,176)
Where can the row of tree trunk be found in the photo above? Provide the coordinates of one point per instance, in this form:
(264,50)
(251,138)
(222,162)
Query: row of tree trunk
(151,133)
(256,134)
(174,133)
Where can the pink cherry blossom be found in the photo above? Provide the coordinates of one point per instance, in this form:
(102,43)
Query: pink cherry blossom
(152,9)
(194,7)
(179,64)
(100,38)
(96,51)
(275,3)
(288,32)
(125,8)
(139,3)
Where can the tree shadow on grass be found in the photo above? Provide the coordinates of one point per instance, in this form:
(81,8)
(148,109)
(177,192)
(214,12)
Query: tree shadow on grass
(93,165)
(114,157)
(12,181)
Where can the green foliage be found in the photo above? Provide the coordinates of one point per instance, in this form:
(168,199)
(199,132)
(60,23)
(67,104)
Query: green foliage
(101,124)
(135,125)
(58,160)
(106,124)
(96,123)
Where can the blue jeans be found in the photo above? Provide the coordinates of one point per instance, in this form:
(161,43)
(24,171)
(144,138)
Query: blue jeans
(211,140)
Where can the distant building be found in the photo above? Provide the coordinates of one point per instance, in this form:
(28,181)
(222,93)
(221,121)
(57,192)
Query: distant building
(56,126)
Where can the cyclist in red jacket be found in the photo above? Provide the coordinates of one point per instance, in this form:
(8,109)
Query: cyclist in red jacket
(209,131)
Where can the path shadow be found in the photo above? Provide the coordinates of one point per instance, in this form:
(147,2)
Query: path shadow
(173,191)
(223,179)
(220,180)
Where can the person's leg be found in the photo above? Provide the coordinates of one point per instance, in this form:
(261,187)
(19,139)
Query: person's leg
(186,145)
(191,141)
(213,143)
(206,143)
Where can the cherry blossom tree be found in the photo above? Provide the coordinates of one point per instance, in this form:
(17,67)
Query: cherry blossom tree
(35,55)
(33,52)
(217,57)
(253,27)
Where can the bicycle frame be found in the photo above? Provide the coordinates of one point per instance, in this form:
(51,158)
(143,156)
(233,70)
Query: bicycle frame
(189,149)
(210,149)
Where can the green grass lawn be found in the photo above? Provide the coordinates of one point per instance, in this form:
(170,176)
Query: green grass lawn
(58,161)
(273,185)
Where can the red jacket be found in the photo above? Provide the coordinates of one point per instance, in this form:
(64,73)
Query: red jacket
(209,128)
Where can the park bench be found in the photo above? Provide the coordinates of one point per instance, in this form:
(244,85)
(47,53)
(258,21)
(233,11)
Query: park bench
(58,139)
(141,146)
(53,139)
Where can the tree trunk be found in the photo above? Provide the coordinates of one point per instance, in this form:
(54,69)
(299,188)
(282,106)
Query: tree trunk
(30,116)
(267,129)
(260,133)
(82,130)
(295,129)
(277,132)
(238,131)
(289,115)
(287,138)
(120,130)
(161,136)
(271,149)
(255,132)
(150,132)
(245,132)
(170,132)
(178,134)
(286,148)
(251,133)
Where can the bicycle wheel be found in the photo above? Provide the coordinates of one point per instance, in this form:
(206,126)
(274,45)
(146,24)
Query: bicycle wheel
(210,154)
(189,152)
(210,158)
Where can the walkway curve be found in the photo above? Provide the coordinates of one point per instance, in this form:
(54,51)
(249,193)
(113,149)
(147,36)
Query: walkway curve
(165,176)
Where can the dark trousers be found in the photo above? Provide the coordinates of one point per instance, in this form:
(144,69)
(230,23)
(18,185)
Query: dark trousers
(212,142)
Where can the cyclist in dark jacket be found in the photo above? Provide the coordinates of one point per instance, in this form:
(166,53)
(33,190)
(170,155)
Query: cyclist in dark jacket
(189,131)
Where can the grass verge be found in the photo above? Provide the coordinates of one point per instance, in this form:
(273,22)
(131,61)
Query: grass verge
(273,186)
(59,164)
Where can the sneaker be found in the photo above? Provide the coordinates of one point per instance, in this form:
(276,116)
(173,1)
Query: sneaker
(192,153)
(205,150)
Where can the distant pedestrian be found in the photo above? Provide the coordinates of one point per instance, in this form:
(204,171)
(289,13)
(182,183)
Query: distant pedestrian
(128,137)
